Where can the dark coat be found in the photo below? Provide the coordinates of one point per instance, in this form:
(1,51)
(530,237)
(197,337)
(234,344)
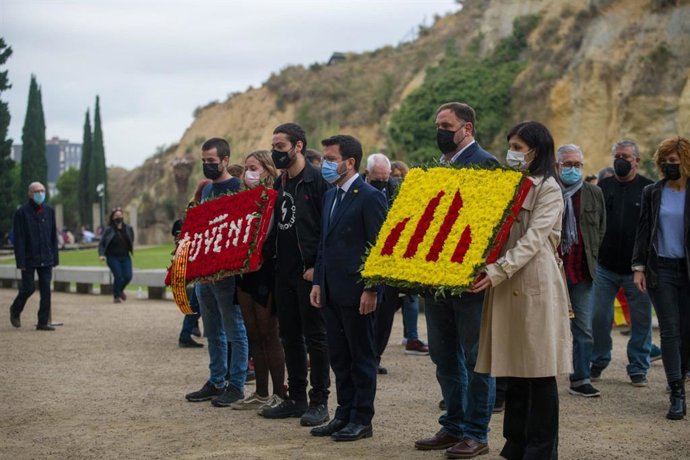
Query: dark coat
(645,253)
(592,221)
(344,240)
(108,236)
(308,203)
(476,155)
(35,236)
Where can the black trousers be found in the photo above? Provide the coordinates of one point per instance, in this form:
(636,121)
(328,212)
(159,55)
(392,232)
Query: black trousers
(353,359)
(384,317)
(302,330)
(530,425)
(27,287)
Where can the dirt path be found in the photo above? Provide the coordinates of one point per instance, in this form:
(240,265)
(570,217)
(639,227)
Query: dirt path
(110,383)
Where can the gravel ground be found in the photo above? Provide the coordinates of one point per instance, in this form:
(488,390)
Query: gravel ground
(110,383)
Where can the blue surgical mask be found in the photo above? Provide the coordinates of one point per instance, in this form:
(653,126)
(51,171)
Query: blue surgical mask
(329,171)
(571,175)
(39,197)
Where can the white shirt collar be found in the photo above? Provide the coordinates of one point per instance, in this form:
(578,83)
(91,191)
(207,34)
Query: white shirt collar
(346,186)
(443,160)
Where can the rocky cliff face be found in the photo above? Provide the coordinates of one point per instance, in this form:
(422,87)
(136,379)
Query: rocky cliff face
(596,71)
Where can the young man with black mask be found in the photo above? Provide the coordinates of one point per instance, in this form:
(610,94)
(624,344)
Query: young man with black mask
(622,195)
(223,323)
(297,230)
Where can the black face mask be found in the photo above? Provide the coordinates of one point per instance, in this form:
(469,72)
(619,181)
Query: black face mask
(282,160)
(378,184)
(118,221)
(212,170)
(445,142)
(621,167)
(671,171)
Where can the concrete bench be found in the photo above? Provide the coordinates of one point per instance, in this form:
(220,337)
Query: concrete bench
(86,278)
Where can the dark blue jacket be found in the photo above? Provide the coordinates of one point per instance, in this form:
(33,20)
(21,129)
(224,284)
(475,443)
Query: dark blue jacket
(35,236)
(475,155)
(344,240)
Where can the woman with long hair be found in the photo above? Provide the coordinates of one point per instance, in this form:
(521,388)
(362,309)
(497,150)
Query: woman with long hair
(660,262)
(254,293)
(525,331)
(115,247)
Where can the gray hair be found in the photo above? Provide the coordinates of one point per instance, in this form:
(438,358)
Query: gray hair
(378,158)
(626,143)
(568,148)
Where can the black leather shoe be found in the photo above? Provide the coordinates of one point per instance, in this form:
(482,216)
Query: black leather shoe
(336,424)
(353,432)
(14,319)
(44,327)
(381,370)
(190,343)
(678,407)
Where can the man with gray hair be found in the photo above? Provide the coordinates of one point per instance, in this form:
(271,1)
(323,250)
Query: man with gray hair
(35,251)
(622,195)
(584,225)
(379,177)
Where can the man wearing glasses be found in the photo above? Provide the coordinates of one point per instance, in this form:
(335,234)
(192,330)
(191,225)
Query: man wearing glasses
(584,225)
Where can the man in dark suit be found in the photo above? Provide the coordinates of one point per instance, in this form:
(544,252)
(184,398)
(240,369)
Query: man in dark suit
(35,251)
(352,216)
(453,322)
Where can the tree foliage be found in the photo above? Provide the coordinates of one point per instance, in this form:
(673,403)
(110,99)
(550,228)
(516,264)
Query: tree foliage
(483,82)
(68,186)
(97,165)
(34,167)
(87,191)
(7,183)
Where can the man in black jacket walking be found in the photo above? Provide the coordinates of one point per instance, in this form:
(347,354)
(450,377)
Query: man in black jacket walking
(35,251)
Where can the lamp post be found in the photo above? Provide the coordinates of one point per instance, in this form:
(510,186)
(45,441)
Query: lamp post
(100,189)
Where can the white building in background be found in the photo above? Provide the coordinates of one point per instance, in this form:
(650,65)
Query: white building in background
(61,155)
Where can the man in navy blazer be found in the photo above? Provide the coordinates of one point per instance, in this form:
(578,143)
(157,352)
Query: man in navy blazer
(453,322)
(352,216)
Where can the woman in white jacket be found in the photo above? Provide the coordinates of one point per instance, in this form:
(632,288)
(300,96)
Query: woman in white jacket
(525,331)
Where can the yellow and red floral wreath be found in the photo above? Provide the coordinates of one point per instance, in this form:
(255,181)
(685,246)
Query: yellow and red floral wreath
(444,226)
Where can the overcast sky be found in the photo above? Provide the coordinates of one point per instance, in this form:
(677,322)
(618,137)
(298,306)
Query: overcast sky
(153,62)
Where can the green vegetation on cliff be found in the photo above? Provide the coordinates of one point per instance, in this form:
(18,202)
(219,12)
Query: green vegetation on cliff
(483,82)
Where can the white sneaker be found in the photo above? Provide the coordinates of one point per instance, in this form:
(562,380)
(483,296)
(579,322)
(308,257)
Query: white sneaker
(253,401)
(271,402)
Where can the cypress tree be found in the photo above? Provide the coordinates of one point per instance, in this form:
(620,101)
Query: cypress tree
(99,175)
(87,192)
(34,163)
(7,181)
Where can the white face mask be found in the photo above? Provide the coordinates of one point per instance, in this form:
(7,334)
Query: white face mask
(516,160)
(252,178)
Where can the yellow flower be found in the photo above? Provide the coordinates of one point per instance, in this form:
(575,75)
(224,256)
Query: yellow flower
(441,226)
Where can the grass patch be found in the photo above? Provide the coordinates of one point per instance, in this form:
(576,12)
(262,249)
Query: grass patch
(144,258)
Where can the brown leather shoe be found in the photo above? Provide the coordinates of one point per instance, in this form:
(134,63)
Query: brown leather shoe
(467,448)
(440,440)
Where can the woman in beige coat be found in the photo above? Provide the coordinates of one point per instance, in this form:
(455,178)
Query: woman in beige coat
(525,331)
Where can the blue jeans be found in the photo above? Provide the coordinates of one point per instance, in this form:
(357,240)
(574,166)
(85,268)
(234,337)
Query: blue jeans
(671,298)
(122,273)
(581,328)
(223,323)
(190,321)
(453,327)
(606,286)
(410,312)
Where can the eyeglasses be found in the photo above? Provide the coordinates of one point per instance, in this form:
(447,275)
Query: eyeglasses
(116,209)
(570,164)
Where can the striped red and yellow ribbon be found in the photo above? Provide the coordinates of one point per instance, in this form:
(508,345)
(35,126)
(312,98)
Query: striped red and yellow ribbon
(178,281)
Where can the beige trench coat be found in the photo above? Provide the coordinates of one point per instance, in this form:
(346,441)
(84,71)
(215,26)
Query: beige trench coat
(525,329)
